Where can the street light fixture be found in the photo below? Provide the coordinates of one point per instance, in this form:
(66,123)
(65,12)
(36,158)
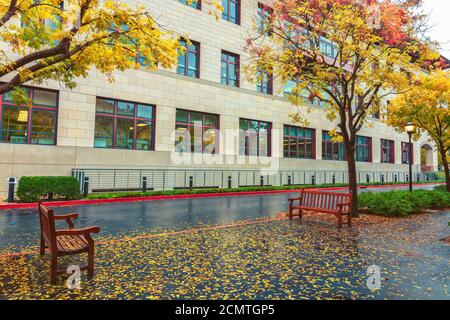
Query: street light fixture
(410,128)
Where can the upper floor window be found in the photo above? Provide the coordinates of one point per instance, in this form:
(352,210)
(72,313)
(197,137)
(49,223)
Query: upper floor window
(189,60)
(124,125)
(288,87)
(196,132)
(265,82)
(254,138)
(263,21)
(406,152)
(30,123)
(299,142)
(229,74)
(231,10)
(332,150)
(197,4)
(327,48)
(363,149)
(387,151)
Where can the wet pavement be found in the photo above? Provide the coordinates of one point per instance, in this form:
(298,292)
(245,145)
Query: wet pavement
(273,259)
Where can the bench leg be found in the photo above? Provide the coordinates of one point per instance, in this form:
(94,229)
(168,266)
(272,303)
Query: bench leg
(290,211)
(339,221)
(300,214)
(42,248)
(349,220)
(53,269)
(91,261)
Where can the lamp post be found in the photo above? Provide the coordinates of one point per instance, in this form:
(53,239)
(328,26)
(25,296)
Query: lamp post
(410,128)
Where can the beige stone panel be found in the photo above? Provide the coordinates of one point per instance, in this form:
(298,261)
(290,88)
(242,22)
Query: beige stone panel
(6,171)
(6,153)
(51,155)
(141,159)
(97,157)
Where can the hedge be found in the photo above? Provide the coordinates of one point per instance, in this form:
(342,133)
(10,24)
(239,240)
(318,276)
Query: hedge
(31,189)
(403,203)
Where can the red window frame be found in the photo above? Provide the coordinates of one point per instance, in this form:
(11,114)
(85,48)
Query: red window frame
(228,62)
(298,141)
(186,57)
(30,108)
(246,143)
(227,4)
(390,149)
(365,145)
(335,146)
(203,126)
(135,119)
(265,86)
(406,149)
(264,11)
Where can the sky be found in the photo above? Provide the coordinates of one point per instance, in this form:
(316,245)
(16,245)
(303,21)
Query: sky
(439,11)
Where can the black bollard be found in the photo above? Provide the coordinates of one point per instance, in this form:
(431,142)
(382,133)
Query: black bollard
(144,184)
(382,178)
(395,178)
(191,182)
(334,179)
(86,186)
(11,186)
(229,182)
(367,178)
(261,180)
(289,180)
(313,179)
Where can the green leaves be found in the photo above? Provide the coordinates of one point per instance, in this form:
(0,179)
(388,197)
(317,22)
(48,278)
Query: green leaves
(31,189)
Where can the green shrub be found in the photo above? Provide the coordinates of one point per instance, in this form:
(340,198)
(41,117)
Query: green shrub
(403,203)
(31,189)
(441,187)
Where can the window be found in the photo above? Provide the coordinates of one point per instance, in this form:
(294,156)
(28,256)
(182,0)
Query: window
(124,125)
(189,61)
(363,149)
(263,22)
(32,123)
(387,151)
(231,11)
(265,82)
(288,87)
(197,4)
(254,138)
(327,48)
(299,142)
(196,132)
(230,69)
(332,150)
(405,152)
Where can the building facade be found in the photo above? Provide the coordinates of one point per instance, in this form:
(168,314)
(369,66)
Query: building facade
(142,119)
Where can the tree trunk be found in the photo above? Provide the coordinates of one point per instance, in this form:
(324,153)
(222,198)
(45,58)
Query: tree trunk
(352,181)
(446,167)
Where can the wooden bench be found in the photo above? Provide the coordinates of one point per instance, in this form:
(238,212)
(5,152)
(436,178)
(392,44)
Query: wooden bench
(335,203)
(64,242)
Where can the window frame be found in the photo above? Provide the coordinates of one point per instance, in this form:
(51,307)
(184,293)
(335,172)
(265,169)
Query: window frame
(403,146)
(269,83)
(30,107)
(368,145)
(204,127)
(390,148)
(115,116)
(238,11)
(197,7)
(186,58)
(264,12)
(299,140)
(334,146)
(246,144)
(228,62)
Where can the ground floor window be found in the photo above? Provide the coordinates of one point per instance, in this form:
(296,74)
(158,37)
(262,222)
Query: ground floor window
(363,149)
(387,151)
(33,122)
(332,150)
(196,132)
(299,142)
(254,138)
(124,125)
(405,152)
